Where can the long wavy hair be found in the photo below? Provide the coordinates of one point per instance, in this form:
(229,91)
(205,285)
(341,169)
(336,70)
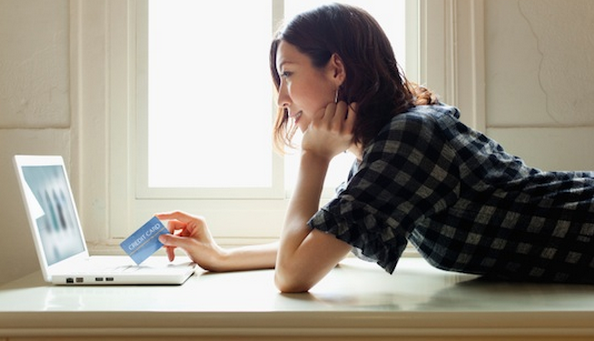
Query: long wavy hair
(373,77)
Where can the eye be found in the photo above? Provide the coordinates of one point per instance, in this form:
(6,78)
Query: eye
(286,74)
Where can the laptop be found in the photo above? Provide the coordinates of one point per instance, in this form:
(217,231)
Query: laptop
(59,240)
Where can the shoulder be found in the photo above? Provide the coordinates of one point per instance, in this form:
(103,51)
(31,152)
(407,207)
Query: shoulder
(428,114)
(420,133)
(420,123)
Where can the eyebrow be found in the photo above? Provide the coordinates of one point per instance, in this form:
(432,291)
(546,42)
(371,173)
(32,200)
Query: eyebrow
(283,62)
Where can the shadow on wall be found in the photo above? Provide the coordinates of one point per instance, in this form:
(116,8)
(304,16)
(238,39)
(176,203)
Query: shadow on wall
(17,251)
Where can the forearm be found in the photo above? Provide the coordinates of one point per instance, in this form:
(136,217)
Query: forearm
(296,260)
(305,256)
(304,202)
(250,257)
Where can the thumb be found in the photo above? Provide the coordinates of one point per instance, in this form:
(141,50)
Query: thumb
(173,240)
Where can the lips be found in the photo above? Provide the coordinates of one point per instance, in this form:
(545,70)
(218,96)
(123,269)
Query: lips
(296,116)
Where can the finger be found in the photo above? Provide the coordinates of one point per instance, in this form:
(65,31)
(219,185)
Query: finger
(181,216)
(178,215)
(329,113)
(170,250)
(176,225)
(341,113)
(317,119)
(172,241)
(183,233)
(351,117)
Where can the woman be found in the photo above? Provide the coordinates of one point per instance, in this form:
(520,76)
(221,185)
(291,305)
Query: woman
(420,176)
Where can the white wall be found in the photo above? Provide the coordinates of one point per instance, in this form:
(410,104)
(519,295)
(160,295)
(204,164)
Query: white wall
(35,115)
(539,95)
(540,80)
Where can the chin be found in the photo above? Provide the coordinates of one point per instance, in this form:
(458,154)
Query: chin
(302,127)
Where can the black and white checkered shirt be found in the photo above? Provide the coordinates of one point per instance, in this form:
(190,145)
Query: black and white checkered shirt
(464,203)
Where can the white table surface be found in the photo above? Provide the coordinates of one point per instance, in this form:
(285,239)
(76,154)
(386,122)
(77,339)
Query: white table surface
(356,297)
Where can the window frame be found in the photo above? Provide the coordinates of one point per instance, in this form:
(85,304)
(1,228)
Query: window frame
(449,59)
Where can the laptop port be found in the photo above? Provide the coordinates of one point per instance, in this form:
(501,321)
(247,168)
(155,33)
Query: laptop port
(79,279)
(69,280)
(109,279)
(98,279)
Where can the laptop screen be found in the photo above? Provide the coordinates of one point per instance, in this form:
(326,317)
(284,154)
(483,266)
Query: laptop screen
(50,202)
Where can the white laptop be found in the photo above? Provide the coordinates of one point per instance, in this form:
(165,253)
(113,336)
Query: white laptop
(59,239)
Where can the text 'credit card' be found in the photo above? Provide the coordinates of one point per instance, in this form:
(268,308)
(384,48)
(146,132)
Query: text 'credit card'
(145,241)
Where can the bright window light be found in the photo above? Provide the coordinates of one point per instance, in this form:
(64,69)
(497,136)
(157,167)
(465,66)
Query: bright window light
(210,107)
(210,100)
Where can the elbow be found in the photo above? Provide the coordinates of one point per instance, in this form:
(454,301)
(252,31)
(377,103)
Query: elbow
(290,278)
(290,284)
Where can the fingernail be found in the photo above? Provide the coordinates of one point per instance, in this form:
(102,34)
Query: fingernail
(162,239)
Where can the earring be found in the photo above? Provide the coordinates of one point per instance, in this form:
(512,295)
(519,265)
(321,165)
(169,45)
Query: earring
(336,96)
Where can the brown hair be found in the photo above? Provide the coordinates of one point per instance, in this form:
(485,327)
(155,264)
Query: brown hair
(374,80)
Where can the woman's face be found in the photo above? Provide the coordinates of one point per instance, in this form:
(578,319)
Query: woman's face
(304,89)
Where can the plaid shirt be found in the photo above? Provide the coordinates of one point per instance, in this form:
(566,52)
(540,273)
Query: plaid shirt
(464,203)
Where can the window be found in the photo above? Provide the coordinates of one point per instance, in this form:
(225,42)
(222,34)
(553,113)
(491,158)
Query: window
(204,141)
(109,40)
(210,103)
(208,87)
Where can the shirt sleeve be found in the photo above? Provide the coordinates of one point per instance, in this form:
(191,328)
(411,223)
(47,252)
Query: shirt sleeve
(407,174)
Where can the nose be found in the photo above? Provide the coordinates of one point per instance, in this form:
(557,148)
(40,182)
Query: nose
(284,99)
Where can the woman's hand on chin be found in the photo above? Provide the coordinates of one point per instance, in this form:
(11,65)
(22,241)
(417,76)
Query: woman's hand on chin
(331,130)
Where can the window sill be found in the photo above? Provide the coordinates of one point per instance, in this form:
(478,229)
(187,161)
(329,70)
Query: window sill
(356,300)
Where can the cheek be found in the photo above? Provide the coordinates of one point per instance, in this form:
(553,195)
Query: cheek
(314,101)
(322,96)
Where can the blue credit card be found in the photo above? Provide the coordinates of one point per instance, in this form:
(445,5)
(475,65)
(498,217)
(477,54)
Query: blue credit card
(145,241)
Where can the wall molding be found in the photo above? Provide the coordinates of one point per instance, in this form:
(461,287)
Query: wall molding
(452,55)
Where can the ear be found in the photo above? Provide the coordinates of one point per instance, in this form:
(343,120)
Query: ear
(336,69)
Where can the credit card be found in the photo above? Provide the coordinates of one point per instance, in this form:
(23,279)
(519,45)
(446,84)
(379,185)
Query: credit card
(145,241)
